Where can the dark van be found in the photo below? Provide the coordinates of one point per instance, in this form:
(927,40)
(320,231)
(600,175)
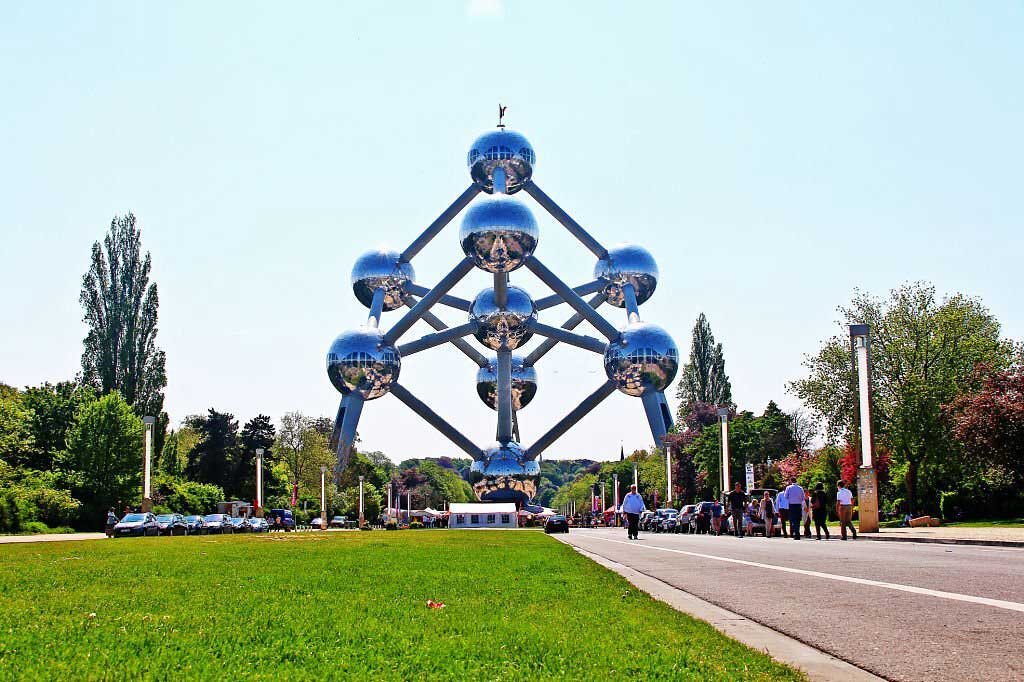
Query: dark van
(281,519)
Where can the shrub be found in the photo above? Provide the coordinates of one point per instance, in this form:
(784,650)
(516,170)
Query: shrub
(897,506)
(391,525)
(415,525)
(951,505)
(10,513)
(36,528)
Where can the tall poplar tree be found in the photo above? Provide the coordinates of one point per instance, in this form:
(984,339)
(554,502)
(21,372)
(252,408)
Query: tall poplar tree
(704,379)
(120,305)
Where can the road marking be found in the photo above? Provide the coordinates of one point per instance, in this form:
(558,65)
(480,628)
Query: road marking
(998,603)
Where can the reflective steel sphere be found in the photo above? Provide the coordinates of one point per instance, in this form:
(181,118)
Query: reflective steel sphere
(503,328)
(381,269)
(504,476)
(644,359)
(524,383)
(359,362)
(627,263)
(499,234)
(504,148)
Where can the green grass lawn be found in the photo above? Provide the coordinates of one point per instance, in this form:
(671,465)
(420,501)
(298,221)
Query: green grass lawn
(345,605)
(989,523)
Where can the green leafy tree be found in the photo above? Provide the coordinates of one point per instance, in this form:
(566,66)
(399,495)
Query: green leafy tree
(213,459)
(53,407)
(173,457)
(300,450)
(703,378)
(103,460)
(17,444)
(120,307)
(923,353)
(348,502)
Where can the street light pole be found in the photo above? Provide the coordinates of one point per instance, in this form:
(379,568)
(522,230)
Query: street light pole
(360,503)
(615,486)
(867,477)
(323,498)
(668,475)
(147,495)
(723,416)
(259,482)
(636,477)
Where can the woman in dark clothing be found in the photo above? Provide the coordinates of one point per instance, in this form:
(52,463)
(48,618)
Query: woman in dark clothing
(819,510)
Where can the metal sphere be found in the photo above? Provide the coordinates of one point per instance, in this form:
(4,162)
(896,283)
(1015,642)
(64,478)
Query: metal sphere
(505,475)
(507,149)
(627,263)
(381,269)
(503,328)
(359,362)
(524,383)
(499,234)
(644,359)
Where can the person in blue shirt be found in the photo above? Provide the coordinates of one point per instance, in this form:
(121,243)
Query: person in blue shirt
(795,499)
(632,506)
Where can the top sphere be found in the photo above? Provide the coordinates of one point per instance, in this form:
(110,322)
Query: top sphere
(643,360)
(507,149)
(627,264)
(499,234)
(381,269)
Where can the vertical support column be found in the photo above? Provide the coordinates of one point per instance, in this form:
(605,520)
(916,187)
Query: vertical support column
(360,502)
(259,482)
(504,396)
(147,455)
(867,476)
(345,425)
(723,416)
(632,307)
(376,307)
(501,289)
(656,416)
(323,498)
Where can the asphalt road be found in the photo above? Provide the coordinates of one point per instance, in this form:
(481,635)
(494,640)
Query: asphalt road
(904,611)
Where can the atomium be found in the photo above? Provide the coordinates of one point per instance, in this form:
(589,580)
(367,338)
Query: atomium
(504,327)
(498,236)
(524,383)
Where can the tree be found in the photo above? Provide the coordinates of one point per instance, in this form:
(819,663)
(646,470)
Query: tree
(17,445)
(776,433)
(301,450)
(103,459)
(258,432)
(989,423)
(703,378)
(54,408)
(179,443)
(804,429)
(120,307)
(213,459)
(923,354)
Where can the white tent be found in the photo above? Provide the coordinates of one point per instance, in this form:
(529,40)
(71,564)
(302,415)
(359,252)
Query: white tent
(482,515)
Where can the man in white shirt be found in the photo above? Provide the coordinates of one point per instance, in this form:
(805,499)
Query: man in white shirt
(795,501)
(782,506)
(844,507)
(632,506)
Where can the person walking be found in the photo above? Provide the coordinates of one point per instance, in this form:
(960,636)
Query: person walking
(782,506)
(795,502)
(632,506)
(819,510)
(737,502)
(768,513)
(111,522)
(806,512)
(844,507)
(716,517)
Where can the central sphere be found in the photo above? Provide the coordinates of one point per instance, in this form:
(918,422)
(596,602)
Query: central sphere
(499,234)
(382,269)
(507,149)
(643,360)
(504,474)
(359,362)
(524,383)
(503,328)
(627,264)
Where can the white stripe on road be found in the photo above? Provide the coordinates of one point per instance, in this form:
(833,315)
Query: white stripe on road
(998,603)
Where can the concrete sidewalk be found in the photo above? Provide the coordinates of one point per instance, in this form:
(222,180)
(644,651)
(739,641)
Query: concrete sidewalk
(50,537)
(953,535)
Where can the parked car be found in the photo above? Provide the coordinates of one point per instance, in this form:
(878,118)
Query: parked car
(316,523)
(172,524)
(666,520)
(218,523)
(240,524)
(259,525)
(700,521)
(646,517)
(281,519)
(556,524)
(141,524)
(684,517)
(339,522)
(196,525)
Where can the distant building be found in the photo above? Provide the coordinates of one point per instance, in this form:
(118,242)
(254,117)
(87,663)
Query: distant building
(483,515)
(235,508)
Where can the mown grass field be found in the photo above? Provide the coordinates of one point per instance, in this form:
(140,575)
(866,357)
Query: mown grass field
(345,605)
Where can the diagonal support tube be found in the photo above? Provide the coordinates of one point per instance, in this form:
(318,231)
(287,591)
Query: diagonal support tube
(432,297)
(439,224)
(376,307)
(572,298)
(463,345)
(432,418)
(582,290)
(344,434)
(504,396)
(561,216)
(581,410)
(632,307)
(659,417)
(450,301)
(570,324)
(431,340)
(565,336)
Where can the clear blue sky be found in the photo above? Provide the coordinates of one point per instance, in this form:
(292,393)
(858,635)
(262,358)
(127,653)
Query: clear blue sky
(773,156)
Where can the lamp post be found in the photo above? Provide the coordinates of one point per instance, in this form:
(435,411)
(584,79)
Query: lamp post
(147,496)
(360,502)
(323,498)
(867,477)
(259,482)
(602,502)
(408,506)
(723,416)
(389,509)
(668,475)
(636,477)
(615,488)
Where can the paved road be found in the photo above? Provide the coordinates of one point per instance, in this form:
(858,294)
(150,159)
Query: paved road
(903,611)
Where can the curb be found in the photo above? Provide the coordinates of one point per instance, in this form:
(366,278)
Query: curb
(818,665)
(941,541)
